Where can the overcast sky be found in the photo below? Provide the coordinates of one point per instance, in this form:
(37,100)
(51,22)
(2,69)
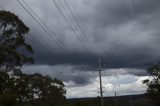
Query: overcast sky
(124,33)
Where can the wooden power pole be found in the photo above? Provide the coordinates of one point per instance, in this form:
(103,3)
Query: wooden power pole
(116,97)
(100,80)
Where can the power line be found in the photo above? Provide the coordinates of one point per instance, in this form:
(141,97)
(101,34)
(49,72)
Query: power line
(42,45)
(36,19)
(79,26)
(70,25)
(42,22)
(81,40)
(62,68)
(31,39)
(61,12)
(59,44)
(44,28)
(37,22)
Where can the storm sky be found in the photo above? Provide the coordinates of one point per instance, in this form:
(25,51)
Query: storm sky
(123,33)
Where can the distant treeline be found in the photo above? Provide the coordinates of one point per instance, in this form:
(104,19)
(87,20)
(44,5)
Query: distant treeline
(129,100)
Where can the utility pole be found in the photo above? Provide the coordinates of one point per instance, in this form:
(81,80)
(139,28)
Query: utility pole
(116,97)
(100,80)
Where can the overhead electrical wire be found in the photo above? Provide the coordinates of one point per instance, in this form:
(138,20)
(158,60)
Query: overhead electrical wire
(48,33)
(79,38)
(49,53)
(70,25)
(74,59)
(43,23)
(42,45)
(75,17)
(39,19)
(42,26)
(57,40)
(36,22)
(64,69)
(80,28)
(39,23)
(32,37)
(39,42)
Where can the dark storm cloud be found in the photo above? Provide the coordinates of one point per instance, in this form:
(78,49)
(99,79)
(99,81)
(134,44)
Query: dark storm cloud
(124,71)
(114,12)
(121,39)
(63,72)
(124,33)
(77,75)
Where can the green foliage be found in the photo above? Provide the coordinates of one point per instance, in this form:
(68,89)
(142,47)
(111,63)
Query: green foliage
(12,41)
(31,89)
(153,89)
(7,94)
(8,99)
(16,88)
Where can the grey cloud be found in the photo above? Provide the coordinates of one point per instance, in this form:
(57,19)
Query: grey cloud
(76,74)
(121,40)
(125,34)
(124,71)
(63,72)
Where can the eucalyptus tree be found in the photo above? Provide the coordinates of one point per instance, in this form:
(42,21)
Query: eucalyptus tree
(13,48)
(153,89)
(14,52)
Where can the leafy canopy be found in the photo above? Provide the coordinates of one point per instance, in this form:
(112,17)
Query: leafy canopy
(153,89)
(13,48)
(16,88)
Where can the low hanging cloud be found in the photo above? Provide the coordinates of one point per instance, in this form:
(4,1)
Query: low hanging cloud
(77,75)
(110,85)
